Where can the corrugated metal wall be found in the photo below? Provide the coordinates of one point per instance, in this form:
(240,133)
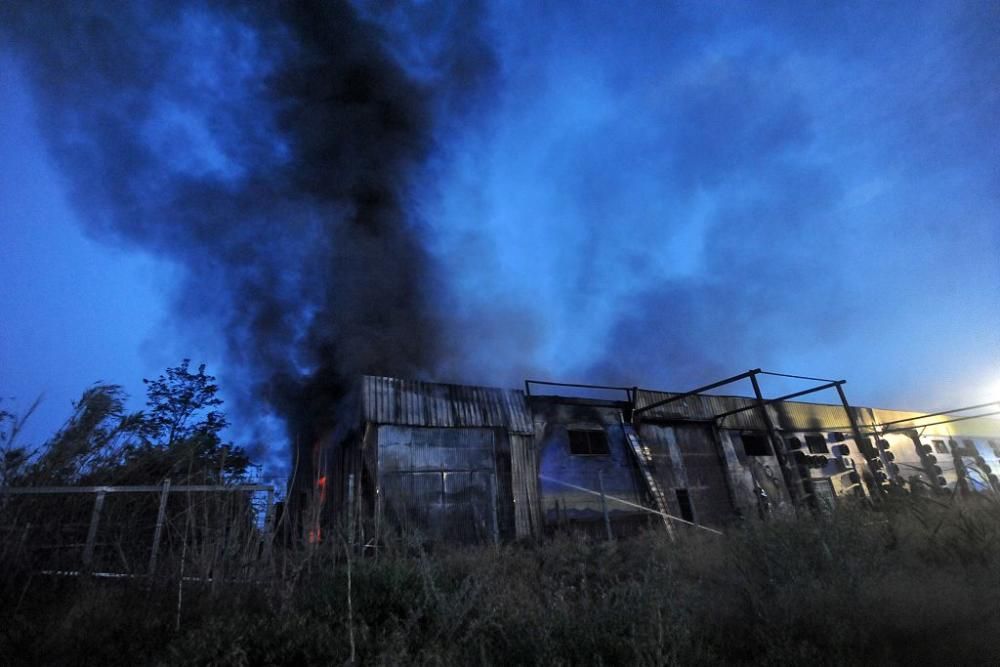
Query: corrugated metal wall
(698,468)
(524,480)
(406,402)
(564,506)
(474,492)
(699,408)
(440,481)
(789,415)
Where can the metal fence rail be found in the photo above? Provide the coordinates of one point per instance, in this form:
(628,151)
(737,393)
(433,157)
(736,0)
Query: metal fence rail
(164,490)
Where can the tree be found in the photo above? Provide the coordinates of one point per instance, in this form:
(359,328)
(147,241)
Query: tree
(177,436)
(182,406)
(180,428)
(13,456)
(94,440)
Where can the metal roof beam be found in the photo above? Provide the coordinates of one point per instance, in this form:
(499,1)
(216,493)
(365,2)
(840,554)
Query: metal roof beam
(938,414)
(829,385)
(693,392)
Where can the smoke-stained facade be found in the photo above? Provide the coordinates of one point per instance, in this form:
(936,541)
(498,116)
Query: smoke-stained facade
(473,464)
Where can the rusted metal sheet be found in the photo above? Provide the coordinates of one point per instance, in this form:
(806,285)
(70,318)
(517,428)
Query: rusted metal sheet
(412,403)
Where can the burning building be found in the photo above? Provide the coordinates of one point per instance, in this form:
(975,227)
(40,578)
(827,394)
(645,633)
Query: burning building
(480,464)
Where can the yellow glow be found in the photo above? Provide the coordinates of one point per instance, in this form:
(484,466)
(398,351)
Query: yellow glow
(992,392)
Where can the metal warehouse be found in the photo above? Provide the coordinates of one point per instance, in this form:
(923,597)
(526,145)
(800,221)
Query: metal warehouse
(472,464)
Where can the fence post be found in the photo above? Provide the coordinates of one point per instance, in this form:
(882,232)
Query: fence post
(158,533)
(268,526)
(350,509)
(95,519)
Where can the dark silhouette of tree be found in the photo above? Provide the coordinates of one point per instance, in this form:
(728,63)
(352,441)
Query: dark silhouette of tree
(179,431)
(181,405)
(14,457)
(177,436)
(94,440)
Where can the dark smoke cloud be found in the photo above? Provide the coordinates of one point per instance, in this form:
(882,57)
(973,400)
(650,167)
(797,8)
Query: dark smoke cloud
(683,191)
(270,151)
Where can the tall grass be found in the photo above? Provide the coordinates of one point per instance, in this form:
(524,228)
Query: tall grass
(917,580)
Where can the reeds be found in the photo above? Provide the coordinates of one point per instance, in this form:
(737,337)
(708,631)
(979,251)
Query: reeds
(913,581)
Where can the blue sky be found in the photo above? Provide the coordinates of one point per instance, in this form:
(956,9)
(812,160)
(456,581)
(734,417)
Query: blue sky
(76,311)
(645,193)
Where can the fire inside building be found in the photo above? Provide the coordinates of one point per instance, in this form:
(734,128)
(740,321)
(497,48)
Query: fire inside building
(474,464)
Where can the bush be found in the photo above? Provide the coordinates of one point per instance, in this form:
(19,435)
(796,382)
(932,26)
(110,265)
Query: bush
(911,581)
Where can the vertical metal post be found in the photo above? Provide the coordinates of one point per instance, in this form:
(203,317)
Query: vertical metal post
(350,508)
(269,526)
(95,519)
(158,532)
(493,507)
(777,446)
(864,445)
(604,506)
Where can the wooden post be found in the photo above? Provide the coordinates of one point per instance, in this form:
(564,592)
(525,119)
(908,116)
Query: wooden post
(604,506)
(158,533)
(95,519)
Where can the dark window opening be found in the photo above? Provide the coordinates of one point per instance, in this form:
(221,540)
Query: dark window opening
(817,444)
(588,443)
(940,447)
(793,442)
(684,501)
(837,437)
(755,445)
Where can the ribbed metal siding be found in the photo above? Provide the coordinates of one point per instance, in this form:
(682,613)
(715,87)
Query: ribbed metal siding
(984,427)
(700,408)
(789,415)
(411,403)
(524,480)
(440,481)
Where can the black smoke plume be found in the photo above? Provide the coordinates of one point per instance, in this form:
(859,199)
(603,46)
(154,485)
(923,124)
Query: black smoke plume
(271,152)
